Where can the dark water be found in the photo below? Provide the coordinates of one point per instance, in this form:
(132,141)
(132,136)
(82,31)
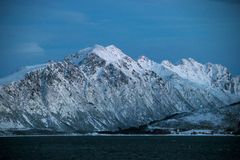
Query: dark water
(120,147)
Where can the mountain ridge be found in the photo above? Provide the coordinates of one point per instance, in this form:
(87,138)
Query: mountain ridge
(101,88)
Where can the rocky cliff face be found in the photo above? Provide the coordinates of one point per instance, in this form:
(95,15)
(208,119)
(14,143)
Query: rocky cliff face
(101,88)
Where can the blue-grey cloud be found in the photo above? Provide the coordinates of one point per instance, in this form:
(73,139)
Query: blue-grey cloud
(68,16)
(29,49)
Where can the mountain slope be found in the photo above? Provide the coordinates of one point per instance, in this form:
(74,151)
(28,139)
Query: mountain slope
(227,118)
(101,88)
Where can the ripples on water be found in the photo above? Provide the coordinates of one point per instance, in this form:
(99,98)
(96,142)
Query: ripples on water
(120,148)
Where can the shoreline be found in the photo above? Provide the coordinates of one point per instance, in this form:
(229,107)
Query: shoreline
(123,135)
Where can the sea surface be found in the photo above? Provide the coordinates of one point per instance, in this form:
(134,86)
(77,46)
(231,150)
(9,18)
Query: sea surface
(120,148)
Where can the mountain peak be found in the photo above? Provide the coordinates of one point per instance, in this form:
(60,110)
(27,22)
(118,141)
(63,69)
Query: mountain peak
(112,46)
(166,63)
(110,53)
(189,62)
(144,58)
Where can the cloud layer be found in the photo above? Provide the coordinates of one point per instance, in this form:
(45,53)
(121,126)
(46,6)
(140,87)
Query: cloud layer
(31,48)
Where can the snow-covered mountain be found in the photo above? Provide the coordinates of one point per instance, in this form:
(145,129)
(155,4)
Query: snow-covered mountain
(101,88)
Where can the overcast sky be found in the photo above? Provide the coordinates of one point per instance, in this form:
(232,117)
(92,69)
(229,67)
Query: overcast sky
(33,32)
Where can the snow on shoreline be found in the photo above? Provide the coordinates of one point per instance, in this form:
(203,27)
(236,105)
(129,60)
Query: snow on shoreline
(124,135)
